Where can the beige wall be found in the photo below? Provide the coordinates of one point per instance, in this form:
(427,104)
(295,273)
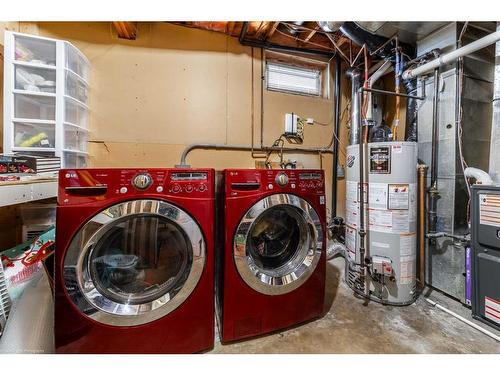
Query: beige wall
(174,86)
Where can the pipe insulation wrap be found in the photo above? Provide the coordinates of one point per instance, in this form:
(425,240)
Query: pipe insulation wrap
(453,55)
(481,176)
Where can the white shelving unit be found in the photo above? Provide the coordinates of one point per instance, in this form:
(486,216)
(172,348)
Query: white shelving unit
(46,110)
(23,192)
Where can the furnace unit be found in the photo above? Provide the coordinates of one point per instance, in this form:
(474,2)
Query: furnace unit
(486,254)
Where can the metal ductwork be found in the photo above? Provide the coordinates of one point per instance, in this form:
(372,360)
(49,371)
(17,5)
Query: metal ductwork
(469,124)
(360,36)
(330,26)
(355,75)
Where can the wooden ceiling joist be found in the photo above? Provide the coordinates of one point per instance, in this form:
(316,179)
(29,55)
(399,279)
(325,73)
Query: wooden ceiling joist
(308,37)
(272,29)
(262,30)
(311,34)
(230,28)
(126,30)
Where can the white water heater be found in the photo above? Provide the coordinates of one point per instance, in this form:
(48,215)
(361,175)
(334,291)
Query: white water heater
(390,200)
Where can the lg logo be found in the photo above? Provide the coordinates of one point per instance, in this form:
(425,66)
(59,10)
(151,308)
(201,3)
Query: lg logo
(70,175)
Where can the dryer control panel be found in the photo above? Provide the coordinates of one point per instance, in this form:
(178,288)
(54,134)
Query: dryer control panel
(241,182)
(78,186)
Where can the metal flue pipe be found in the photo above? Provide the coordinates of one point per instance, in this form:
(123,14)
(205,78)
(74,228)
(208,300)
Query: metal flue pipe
(355,75)
(337,98)
(453,55)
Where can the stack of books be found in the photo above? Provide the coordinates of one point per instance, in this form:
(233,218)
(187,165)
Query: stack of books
(31,164)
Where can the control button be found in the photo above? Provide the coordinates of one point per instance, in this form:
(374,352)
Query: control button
(281,179)
(202,188)
(123,190)
(270,186)
(293,186)
(189,188)
(176,188)
(142,181)
(159,189)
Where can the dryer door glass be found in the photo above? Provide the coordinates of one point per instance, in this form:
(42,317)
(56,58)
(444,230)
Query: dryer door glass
(134,262)
(278,244)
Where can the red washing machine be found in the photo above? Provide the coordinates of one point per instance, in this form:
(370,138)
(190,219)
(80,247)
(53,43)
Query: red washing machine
(135,261)
(271,273)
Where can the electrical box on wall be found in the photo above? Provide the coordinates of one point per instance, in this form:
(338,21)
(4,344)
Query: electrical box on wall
(291,121)
(294,128)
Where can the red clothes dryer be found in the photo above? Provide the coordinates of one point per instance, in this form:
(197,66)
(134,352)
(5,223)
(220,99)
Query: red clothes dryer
(135,261)
(271,270)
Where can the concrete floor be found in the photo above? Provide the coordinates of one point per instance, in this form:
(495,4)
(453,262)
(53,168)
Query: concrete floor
(353,326)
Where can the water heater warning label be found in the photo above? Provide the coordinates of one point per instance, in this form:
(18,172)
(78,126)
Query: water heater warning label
(489,209)
(399,197)
(350,242)
(380,159)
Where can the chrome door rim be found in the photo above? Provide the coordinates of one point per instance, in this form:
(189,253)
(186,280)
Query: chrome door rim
(100,308)
(265,282)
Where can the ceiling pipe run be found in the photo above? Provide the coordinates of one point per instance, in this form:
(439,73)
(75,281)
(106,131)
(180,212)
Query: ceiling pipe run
(453,55)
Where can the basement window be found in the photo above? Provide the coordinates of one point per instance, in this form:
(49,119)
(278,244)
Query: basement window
(293,79)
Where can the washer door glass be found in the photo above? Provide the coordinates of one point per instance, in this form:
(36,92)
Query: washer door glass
(278,244)
(140,258)
(134,262)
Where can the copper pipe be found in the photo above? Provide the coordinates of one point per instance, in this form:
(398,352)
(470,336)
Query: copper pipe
(422,172)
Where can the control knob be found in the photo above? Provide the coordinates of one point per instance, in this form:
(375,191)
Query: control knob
(142,181)
(281,179)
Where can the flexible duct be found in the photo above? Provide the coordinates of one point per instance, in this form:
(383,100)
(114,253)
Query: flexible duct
(334,247)
(481,176)
(411,111)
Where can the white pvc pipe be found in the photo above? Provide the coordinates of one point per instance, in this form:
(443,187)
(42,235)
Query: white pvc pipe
(481,176)
(386,67)
(466,321)
(453,55)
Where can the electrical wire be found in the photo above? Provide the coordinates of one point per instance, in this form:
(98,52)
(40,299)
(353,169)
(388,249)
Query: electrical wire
(459,124)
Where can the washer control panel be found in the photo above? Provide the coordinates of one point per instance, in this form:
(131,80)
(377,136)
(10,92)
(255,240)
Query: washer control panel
(77,186)
(188,182)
